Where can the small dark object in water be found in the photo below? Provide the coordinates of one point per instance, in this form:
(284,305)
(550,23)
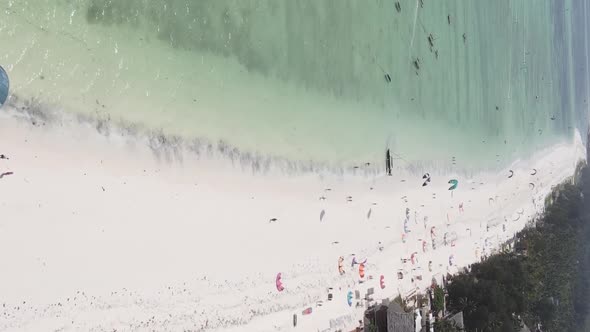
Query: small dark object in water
(421,3)
(398,7)
(387,78)
(497,108)
(367,164)
(464,38)
(355,167)
(416,63)
(553,118)
(388,162)
(449,19)
(430,40)
(436,54)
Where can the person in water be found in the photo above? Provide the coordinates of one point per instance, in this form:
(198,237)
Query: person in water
(388,162)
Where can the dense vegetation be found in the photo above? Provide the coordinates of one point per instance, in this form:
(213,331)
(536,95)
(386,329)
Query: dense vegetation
(545,280)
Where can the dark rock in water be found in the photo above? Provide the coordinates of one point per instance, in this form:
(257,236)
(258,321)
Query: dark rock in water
(398,7)
(387,78)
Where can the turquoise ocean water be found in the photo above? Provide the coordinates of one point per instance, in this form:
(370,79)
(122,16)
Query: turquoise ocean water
(329,81)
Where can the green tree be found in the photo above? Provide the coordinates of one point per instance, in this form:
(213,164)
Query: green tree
(439,299)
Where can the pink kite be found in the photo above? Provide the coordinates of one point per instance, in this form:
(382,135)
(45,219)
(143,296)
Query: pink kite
(279,283)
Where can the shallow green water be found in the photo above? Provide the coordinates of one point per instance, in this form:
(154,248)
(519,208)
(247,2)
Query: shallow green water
(306,79)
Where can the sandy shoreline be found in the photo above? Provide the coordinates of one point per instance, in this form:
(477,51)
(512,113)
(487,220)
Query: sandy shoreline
(96,233)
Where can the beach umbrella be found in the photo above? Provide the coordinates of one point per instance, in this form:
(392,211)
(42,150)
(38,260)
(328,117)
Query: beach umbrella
(4,86)
(279,282)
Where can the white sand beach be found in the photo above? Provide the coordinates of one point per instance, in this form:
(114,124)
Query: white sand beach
(99,234)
